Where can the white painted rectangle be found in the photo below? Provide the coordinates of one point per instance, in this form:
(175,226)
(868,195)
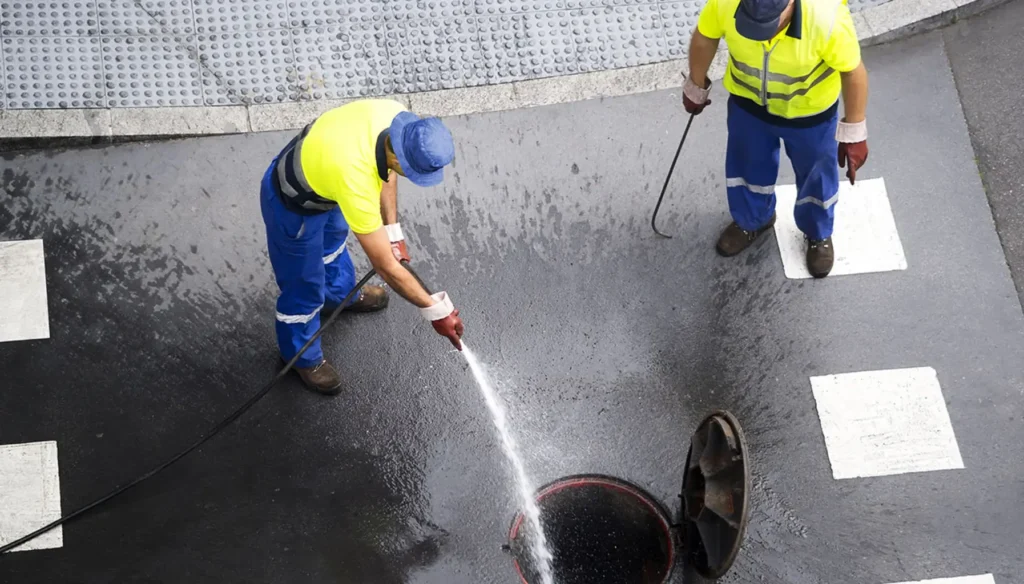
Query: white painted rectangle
(879,423)
(23,310)
(980,579)
(864,235)
(29,494)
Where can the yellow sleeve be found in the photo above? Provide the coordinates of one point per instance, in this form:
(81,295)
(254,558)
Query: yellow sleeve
(709,23)
(842,51)
(360,204)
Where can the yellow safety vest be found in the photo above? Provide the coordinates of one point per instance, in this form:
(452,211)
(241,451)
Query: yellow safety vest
(796,74)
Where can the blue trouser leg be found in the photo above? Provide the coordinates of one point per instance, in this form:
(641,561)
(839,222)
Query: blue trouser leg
(814,154)
(340,274)
(296,246)
(751,168)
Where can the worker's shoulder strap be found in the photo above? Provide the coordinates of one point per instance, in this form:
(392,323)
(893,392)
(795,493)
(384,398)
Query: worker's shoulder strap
(292,180)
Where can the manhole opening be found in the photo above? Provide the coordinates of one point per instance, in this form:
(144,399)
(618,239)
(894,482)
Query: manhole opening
(600,530)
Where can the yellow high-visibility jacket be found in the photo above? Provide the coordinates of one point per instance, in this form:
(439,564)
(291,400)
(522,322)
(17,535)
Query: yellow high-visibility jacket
(796,74)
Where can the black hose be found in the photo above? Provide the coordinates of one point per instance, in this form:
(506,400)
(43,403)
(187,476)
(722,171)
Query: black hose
(210,434)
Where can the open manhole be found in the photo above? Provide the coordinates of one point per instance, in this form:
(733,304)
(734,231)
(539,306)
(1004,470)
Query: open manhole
(604,530)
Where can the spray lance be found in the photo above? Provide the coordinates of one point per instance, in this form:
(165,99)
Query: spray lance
(212,431)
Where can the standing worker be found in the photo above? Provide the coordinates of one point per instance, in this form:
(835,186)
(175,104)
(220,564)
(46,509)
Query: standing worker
(340,173)
(788,62)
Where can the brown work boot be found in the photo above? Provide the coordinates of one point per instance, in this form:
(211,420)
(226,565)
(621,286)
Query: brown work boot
(321,378)
(820,256)
(371,298)
(736,239)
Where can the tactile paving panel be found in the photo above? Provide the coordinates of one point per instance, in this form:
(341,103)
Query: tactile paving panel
(679,20)
(525,46)
(259,51)
(53,18)
(313,13)
(499,7)
(619,36)
(44,73)
(335,62)
(248,67)
(214,16)
(148,17)
(151,71)
(413,10)
(856,5)
(435,54)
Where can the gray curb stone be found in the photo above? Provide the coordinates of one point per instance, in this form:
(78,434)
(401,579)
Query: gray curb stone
(878,24)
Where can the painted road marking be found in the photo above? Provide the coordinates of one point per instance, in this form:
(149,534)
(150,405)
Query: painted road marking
(23,311)
(980,579)
(865,236)
(879,423)
(29,494)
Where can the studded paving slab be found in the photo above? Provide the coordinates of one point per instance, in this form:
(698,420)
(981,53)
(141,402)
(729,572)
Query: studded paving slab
(146,53)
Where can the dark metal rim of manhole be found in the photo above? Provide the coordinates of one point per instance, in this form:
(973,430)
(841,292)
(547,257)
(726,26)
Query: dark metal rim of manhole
(716,494)
(654,511)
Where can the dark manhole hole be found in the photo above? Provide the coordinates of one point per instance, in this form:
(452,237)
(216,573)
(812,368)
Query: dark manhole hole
(600,530)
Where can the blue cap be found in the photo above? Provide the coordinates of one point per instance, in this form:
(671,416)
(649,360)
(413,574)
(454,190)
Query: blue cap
(758,20)
(423,146)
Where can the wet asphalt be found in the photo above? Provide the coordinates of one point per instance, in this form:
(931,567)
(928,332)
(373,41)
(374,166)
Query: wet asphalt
(608,343)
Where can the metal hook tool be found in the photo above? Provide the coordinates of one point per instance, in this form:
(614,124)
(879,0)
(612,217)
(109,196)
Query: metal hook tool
(654,217)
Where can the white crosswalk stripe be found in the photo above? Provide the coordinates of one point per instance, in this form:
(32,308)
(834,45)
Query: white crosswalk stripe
(864,238)
(890,422)
(23,310)
(981,579)
(29,494)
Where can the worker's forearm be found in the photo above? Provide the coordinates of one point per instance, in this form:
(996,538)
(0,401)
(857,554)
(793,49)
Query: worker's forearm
(389,200)
(855,95)
(702,52)
(404,283)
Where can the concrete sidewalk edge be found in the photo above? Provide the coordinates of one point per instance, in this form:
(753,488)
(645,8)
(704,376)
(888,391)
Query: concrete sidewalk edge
(879,24)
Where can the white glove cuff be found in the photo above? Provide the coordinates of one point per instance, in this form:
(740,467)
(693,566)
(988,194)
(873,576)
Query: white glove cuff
(394,232)
(441,309)
(850,133)
(695,93)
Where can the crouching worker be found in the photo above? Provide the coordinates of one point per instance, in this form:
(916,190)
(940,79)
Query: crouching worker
(340,173)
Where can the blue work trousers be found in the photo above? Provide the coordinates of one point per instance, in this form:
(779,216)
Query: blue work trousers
(752,167)
(312,267)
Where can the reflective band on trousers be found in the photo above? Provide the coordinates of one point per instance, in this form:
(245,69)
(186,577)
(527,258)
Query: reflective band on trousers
(298,318)
(739,182)
(330,258)
(823,204)
(293,181)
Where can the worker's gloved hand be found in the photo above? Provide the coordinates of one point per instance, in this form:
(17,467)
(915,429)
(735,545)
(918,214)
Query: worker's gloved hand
(853,147)
(445,319)
(695,98)
(397,239)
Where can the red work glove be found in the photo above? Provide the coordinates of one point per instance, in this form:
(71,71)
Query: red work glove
(445,319)
(853,147)
(397,239)
(695,98)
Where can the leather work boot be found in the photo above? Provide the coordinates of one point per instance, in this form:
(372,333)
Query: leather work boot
(371,298)
(322,378)
(735,239)
(820,256)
